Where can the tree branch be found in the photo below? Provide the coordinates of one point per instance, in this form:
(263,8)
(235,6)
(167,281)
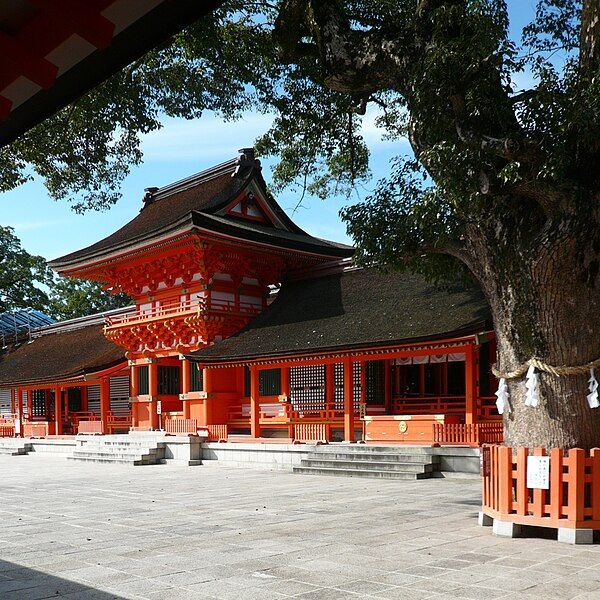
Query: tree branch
(589,52)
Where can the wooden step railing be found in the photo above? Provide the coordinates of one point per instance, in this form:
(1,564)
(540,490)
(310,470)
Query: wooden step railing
(181,426)
(461,434)
(311,432)
(90,427)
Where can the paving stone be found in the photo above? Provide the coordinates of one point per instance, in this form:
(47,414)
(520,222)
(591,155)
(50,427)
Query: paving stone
(96,532)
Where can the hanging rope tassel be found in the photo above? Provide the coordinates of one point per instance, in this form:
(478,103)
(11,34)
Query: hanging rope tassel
(532,383)
(503,401)
(592,397)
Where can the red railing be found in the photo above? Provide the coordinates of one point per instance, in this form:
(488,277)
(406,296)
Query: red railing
(571,500)
(93,427)
(461,434)
(181,426)
(189,306)
(487,409)
(216,433)
(7,430)
(118,419)
(428,405)
(311,432)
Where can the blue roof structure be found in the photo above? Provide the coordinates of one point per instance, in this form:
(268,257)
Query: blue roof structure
(20,322)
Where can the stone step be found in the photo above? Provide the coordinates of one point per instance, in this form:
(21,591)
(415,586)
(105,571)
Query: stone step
(372,473)
(361,448)
(361,465)
(13,450)
(373,456)
(123,444)
(110,460)
(129,455)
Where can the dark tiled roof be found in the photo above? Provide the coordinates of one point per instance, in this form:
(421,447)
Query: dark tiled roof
(59,356)
(192,201)
(361,307)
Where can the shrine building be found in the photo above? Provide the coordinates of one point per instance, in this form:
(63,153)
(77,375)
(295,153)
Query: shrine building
(247,328)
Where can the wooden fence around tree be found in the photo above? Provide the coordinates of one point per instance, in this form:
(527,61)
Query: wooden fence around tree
(573,497)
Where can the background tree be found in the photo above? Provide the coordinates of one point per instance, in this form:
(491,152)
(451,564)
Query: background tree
(502,180)
(23,277)
(71,298)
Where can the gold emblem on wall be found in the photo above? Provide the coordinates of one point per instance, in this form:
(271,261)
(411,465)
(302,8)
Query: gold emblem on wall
(403,426)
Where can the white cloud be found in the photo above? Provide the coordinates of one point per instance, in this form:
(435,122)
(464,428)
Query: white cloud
(204,138)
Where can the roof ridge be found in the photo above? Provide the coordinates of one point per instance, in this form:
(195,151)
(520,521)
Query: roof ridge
(154,194)
(79,322)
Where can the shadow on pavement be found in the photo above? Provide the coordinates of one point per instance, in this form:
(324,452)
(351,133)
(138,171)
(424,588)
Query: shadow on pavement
(25,583)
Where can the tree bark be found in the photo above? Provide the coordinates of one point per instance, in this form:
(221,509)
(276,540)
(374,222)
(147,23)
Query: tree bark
(546,304)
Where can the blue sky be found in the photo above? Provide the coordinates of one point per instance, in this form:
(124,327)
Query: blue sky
(182,148)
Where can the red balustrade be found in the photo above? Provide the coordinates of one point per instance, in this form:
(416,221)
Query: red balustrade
(181,426)
(462,434)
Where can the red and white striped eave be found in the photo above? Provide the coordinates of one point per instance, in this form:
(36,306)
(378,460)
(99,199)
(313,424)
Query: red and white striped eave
(42,39)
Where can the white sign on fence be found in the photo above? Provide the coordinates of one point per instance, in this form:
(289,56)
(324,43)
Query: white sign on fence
(538,472)
(17,425)
(158,407)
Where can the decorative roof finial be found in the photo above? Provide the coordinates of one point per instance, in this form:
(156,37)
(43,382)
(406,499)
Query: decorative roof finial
(246,160)
(148,196)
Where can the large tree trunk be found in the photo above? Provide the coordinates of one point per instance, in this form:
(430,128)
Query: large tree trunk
(546,304)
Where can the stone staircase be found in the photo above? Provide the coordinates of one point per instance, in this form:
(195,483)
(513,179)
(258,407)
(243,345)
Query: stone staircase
(123,449)
(14,447)
(383,462)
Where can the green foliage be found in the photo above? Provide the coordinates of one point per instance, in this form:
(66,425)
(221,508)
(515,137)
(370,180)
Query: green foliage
(26,281)
(23,277)
(484,149)
(71,298)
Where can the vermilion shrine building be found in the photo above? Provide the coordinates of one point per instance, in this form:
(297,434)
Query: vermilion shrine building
(249,328)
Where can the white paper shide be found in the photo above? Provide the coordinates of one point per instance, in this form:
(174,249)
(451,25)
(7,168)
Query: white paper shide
(532,383)
(592,397)
(503,401)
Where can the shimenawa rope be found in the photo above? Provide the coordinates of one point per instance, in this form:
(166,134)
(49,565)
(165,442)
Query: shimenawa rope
(561,371)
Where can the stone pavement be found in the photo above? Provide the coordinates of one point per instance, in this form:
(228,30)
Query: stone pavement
(161,532)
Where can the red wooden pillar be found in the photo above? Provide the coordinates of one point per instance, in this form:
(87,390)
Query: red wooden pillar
(254,403)
(57,411)
(104,403)
(135,381)
(348,401)
(19,406)
(186,386)
(471,387)
(153,389)
(285,382)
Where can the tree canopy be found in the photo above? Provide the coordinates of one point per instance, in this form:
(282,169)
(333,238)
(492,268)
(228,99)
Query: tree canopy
(26,281)
(501,177)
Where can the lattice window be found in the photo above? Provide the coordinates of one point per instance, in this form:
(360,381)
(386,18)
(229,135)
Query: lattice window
(307,387)
(338,382)
(93,393)
(338,386)
(269,382)
(356,370)
(375,375)
(119,392)
(5,406)
(38,403)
